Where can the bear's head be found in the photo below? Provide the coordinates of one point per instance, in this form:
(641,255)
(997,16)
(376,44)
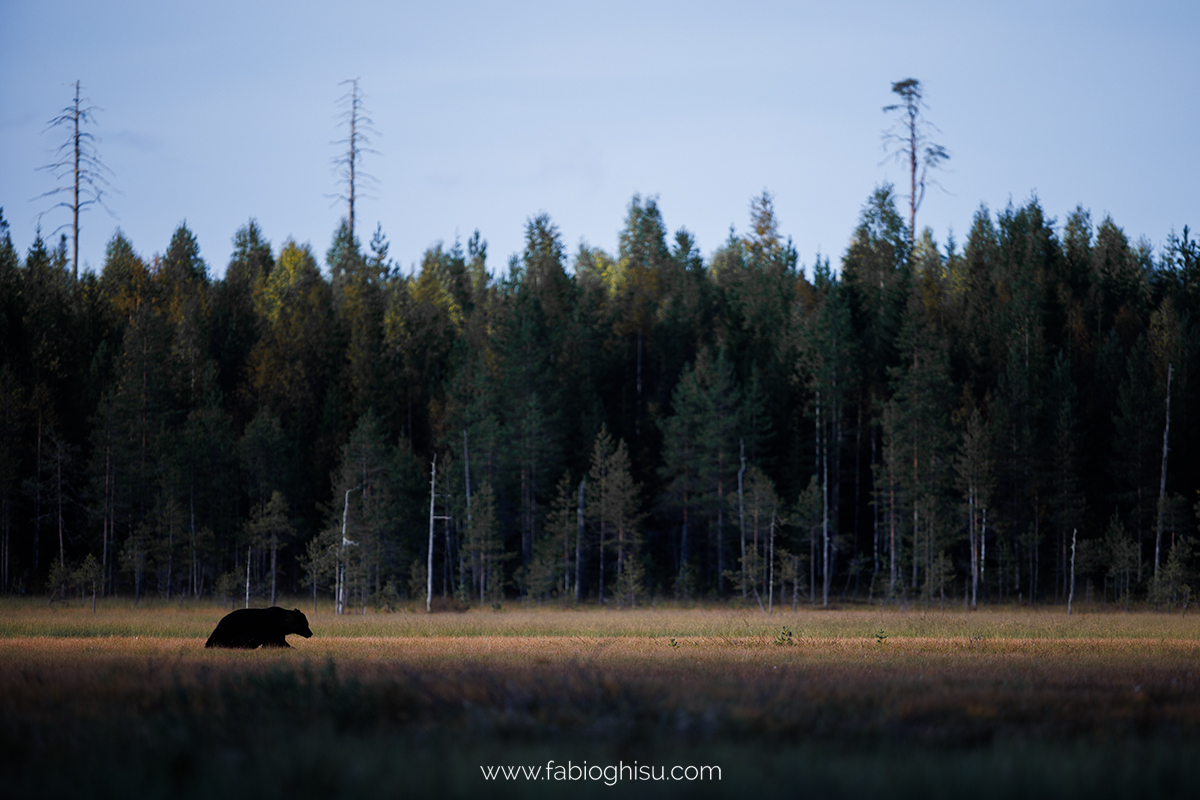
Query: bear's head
(295,622)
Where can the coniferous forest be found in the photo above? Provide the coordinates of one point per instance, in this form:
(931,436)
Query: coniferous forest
(1007,419)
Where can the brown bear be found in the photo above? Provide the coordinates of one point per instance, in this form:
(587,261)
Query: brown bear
(248,628)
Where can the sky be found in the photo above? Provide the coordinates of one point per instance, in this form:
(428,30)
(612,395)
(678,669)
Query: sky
(488,113)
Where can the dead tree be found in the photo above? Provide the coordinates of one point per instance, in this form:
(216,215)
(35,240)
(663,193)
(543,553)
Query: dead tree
(346,166)
(908,141)
(78,161)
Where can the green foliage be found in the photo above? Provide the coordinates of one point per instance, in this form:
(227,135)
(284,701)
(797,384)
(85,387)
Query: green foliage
(386,599)
(1123,559)
(925,404)
(227,587)
(551,572)
(612,507)
(1173,587)
(483,547)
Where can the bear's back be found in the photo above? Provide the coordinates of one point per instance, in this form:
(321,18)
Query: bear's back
(249,628)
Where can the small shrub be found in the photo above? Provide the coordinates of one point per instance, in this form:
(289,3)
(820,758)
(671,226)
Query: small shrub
(386,599)
(441,604)
(785,639)
(59,581)
(227,588)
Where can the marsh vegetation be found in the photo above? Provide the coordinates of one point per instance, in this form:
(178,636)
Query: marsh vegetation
(995,702)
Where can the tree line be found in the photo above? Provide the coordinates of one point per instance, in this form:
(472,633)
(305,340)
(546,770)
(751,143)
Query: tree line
(984,423)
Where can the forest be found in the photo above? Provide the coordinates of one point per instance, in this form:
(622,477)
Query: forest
(1012,419)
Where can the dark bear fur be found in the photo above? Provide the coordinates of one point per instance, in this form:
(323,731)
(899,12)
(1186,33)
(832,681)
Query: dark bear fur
(248,628)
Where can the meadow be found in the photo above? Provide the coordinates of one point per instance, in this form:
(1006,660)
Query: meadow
(842,703)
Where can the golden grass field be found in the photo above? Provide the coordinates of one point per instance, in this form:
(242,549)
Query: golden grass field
(121,618)
(856,700)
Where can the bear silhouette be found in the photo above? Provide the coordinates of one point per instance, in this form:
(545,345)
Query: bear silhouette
(248,628)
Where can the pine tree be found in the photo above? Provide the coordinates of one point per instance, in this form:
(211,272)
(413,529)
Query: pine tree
(484,546)
(921,403)
(270,529)
(612,507)
(1068,500)
(1136,451)
(367,472)
(552,568)
(682,473)
(910,139)
(827,352)
(234,327)
(975,481)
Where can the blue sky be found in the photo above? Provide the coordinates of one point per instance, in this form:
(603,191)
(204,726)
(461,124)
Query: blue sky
(490,113)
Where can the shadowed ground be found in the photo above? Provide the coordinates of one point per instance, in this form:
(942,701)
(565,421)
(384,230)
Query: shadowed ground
(1024,705)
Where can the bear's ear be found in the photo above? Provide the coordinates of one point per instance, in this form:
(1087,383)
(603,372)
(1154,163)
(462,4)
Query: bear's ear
(296,610)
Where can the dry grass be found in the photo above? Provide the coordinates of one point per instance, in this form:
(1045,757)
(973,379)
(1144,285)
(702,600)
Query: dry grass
(121,618)
(932,687)
(886,689)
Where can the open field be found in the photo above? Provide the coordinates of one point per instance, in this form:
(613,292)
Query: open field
(159,619)
(861,701)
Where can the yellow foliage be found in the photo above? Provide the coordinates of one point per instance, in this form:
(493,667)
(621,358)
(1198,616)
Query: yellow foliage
(430,290)
(294,268)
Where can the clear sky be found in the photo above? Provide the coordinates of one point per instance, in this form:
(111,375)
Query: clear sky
(489,113)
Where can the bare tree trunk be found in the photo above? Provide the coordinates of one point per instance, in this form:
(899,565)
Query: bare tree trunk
(795,583)
(37,499)
(771,568)
(874,523)
(58,493)
(429,561)
(601,589)
(462,564)
(638,406)
(1162,481)
(247,577)
(1036,559)
(579,518)
(893,567)
(339,595)
(1071,596)
(975,549)
(826,575)
(983,549)
(916,526)
(75,196)
(170,552)
(742,510)
(720,520)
